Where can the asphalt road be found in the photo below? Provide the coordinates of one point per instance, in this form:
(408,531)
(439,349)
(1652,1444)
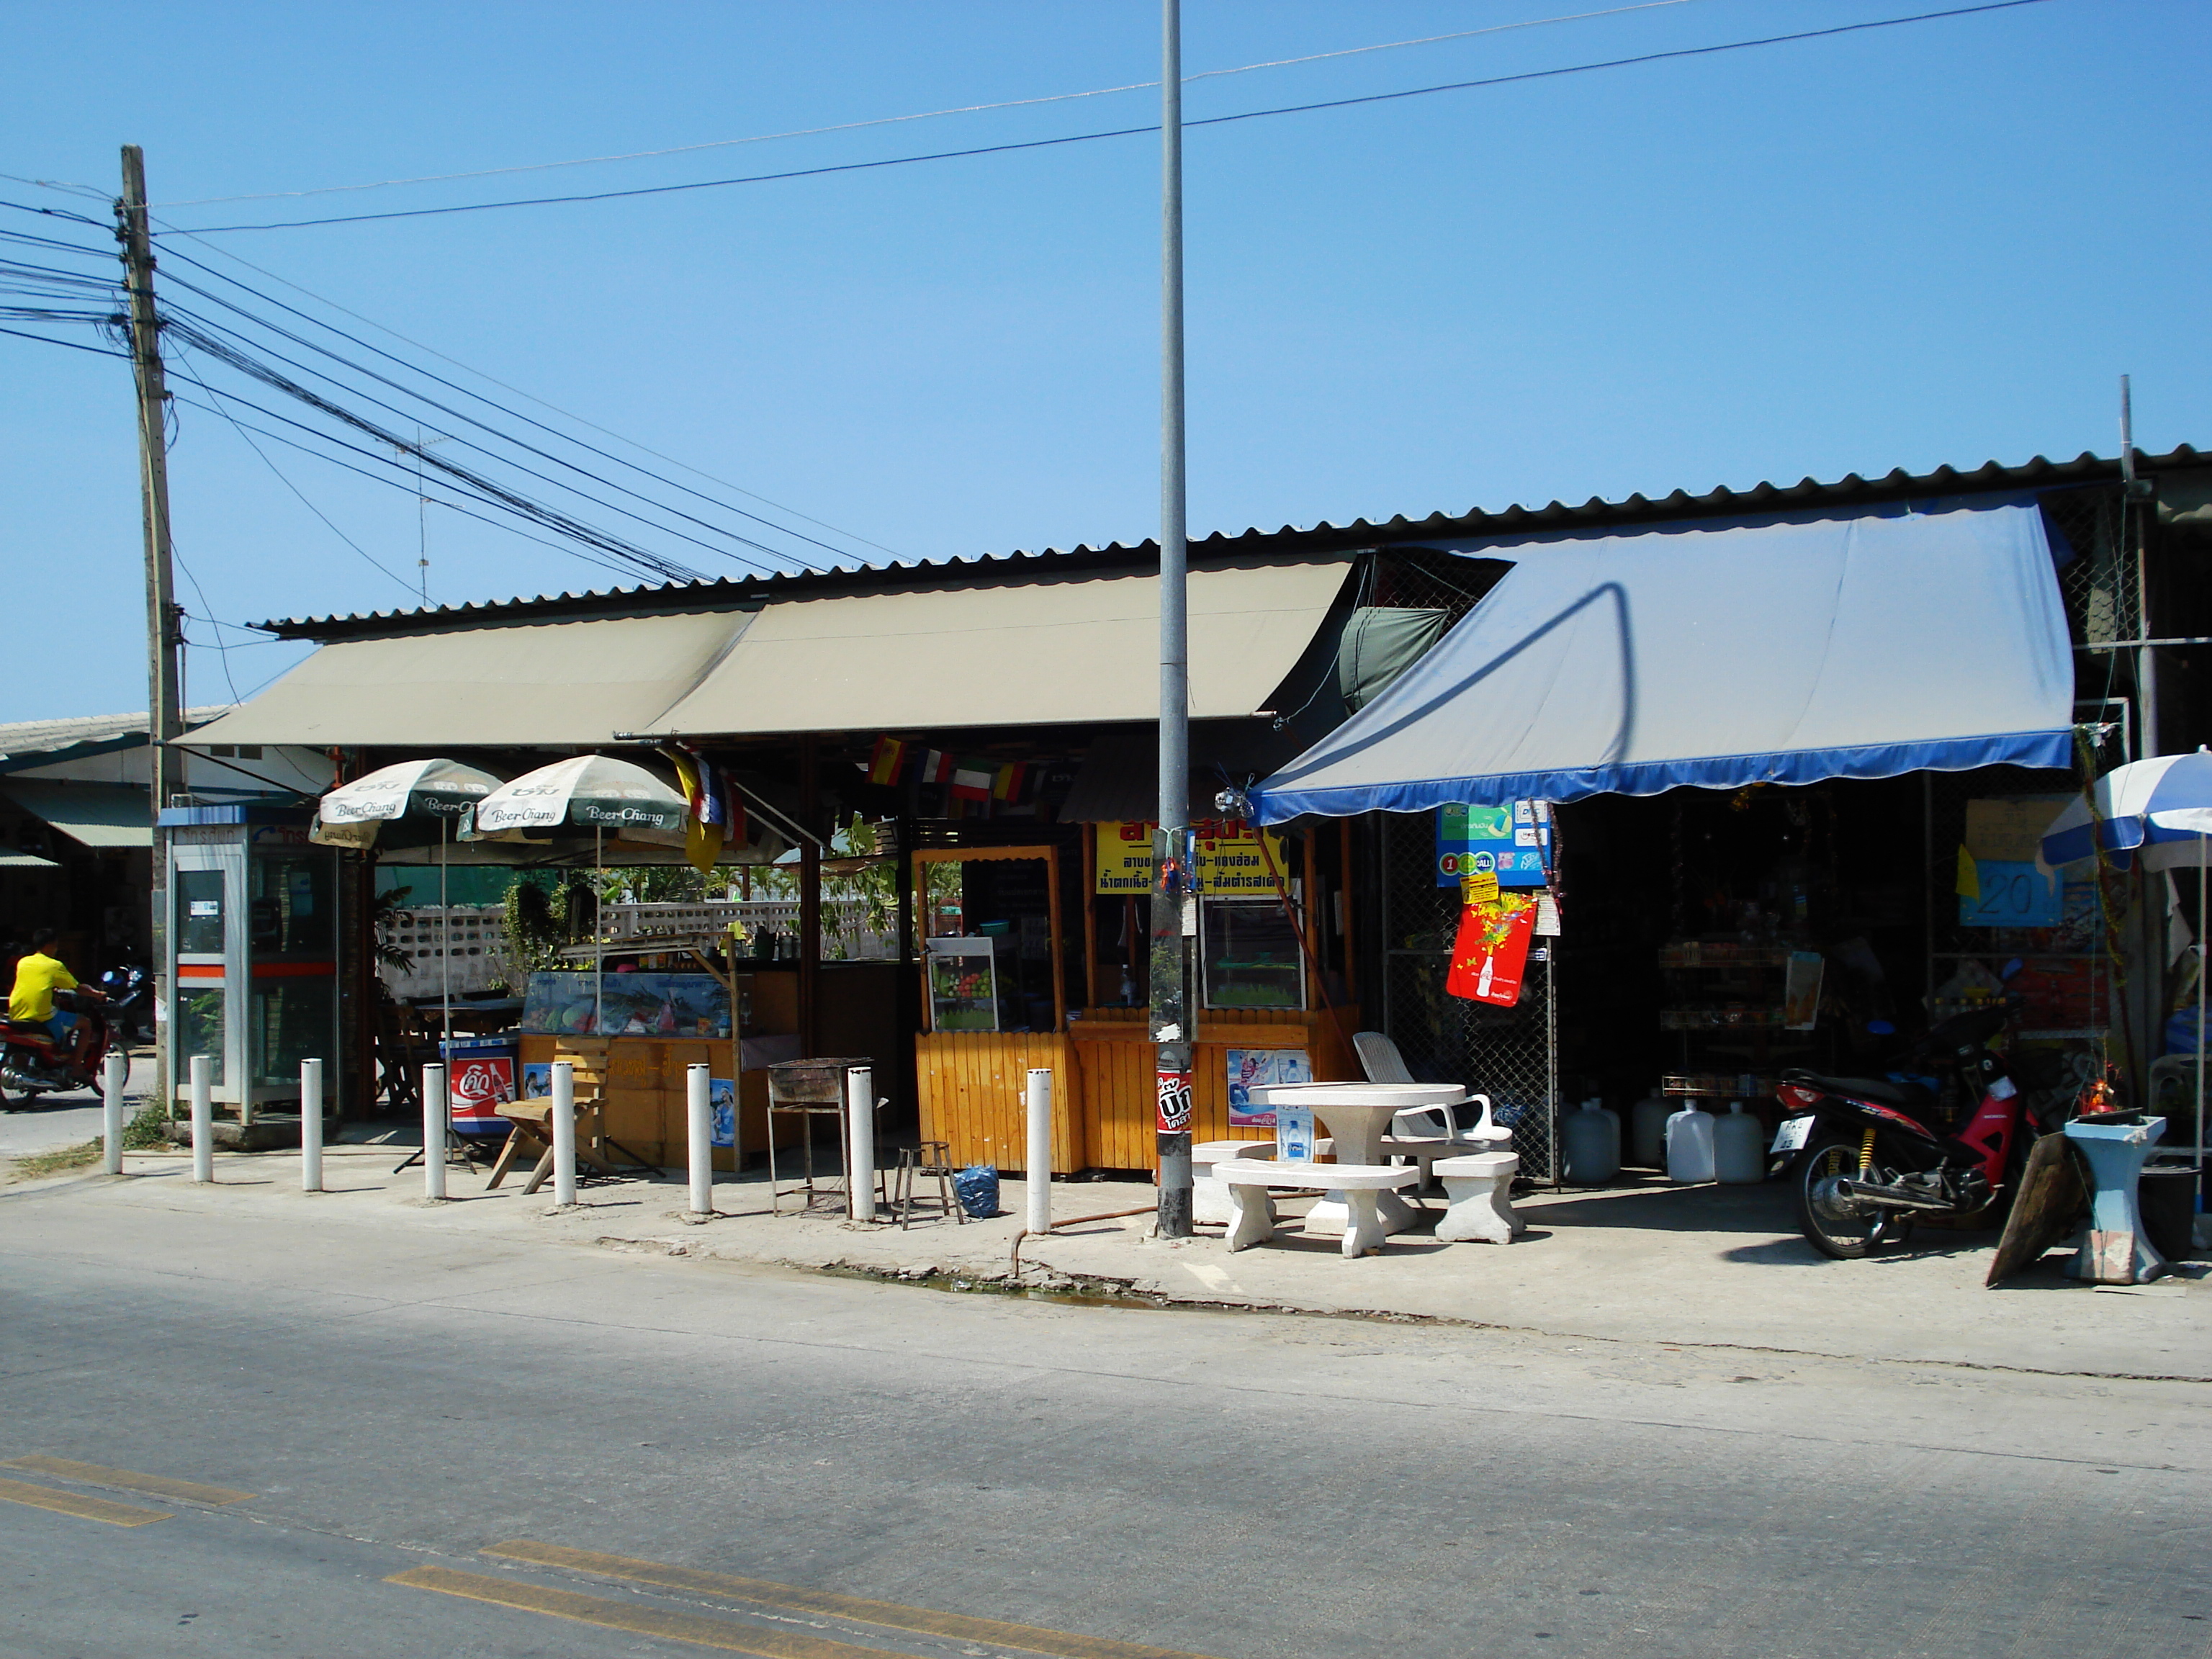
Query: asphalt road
(811,1468)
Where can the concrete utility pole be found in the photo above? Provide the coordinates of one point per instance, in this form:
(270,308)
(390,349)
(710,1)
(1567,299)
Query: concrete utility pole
(164,630)
(1173,875)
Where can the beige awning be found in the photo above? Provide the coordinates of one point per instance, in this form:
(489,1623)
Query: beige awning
(554,685)
(1021,653)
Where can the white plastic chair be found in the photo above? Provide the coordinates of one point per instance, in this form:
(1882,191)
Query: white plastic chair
(1380,1059)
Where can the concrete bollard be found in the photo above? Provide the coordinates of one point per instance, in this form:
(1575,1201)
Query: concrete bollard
(699,1127)
(435,1125)
(311,1126)
(203,1119)
(1036,1175)
(115,1073)
(861,1132)
(564,1132)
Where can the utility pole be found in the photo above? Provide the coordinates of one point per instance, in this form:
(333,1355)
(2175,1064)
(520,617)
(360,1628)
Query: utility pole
(1174,874)
(164,630)
(2146,657)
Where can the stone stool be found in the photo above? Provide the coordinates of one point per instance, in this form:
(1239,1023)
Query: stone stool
(1209,1198)
(1251,1182)
(1479,1189)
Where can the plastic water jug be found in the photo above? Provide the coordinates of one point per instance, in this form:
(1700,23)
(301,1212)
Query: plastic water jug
(1592,1148)
(1690,1145)
(1739,1147)
(1647,1133)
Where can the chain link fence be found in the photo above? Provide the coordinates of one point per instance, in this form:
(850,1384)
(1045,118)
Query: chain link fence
(1511,1054)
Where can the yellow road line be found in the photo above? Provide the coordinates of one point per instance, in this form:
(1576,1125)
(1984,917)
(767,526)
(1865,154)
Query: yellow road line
(988,1632)
(634,1617)
(70,1502)
(154,1486)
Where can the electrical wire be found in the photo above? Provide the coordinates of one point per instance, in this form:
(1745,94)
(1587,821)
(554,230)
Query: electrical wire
(896,120)
(177,253)
(1117,132)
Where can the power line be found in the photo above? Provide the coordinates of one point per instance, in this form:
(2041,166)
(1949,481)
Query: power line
(894,120)
(1119,132)
(517,392)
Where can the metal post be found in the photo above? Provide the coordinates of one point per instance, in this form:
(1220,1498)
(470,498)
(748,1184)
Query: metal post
(115,1074)
(435,1124)
(164,622)
(202,1120)
(2146,658)
(699,1137)
(565,1134)
(1037,1173)
(1170,1014)
(860,1131)
(311,1126)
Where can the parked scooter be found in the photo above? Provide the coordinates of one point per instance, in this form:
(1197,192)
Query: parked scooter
(1871,1154)
(130,992)
(33,1062)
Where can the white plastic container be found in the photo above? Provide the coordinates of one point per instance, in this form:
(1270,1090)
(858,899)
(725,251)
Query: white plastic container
(1647,1131)
(1590,1142)
(1690,1145)
(1739,1147)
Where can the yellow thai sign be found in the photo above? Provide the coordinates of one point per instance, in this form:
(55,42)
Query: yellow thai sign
(1230,859)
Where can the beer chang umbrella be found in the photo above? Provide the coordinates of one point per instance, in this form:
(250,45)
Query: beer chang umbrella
(398,806)
(593,791)
(2157,813)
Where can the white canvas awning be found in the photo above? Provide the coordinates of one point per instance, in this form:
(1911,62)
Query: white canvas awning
(1074,648)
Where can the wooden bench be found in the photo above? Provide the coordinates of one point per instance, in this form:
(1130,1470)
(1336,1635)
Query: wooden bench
(533,1134)
(1252,1184)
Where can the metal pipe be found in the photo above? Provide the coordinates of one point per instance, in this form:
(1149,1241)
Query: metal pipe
(860,1132)
(436,1122)
(114,1073)
(311,1126)
(1073,1221)
(202,1120)
(699,1127)
(565,1134)
(1037,1172)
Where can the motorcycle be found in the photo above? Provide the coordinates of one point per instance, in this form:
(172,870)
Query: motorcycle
(1873,1154)
(130,992)
(32,1061)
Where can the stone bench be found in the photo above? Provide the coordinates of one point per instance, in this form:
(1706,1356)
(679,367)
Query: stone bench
(1251,1182)
(1479,1195)
(1209,1198)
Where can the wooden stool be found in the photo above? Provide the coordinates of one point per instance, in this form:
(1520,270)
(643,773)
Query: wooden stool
(930,1158)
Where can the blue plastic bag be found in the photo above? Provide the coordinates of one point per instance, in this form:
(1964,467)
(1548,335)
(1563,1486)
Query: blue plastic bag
(977,1186)
(2181,1032)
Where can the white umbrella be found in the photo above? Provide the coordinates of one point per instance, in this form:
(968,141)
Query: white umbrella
(395,806)
(594,792)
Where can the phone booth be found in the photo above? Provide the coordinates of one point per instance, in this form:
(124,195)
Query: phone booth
(252,949)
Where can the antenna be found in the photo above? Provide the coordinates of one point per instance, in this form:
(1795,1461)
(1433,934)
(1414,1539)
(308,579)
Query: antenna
(2127,435)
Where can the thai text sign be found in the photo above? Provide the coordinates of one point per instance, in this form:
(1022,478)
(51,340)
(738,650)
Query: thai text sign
(1230,861)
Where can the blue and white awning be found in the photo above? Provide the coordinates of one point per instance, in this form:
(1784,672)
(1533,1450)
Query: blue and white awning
(1719,656)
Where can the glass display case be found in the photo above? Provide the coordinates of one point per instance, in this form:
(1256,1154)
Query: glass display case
(1248,955)
(964,984)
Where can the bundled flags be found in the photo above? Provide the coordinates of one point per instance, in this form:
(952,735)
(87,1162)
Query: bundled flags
(970,783)
(718,813)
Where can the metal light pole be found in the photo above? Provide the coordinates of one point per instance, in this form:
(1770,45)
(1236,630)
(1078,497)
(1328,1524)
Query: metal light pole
(1171,843)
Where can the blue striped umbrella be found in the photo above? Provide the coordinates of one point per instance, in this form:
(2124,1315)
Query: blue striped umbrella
(2158,811)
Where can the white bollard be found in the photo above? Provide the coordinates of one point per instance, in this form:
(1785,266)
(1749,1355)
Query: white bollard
(861,1132)
(203,1119)
(311,1126)
(435,1124)
(114,1075)
(699,1125)
(564,1132)
(1036,1176)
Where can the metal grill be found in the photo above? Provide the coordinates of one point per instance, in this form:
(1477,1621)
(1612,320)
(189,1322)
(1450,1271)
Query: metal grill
(1511,1054)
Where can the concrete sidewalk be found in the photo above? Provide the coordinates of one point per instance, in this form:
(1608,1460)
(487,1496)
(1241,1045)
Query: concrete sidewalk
(1675,1267)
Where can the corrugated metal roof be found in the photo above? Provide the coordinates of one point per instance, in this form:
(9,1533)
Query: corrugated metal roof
(43,737)
(1289,540)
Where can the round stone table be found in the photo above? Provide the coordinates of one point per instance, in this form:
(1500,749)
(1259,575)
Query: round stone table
(1358,1116)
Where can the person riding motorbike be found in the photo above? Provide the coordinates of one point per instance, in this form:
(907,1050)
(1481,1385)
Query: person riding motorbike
(39,975)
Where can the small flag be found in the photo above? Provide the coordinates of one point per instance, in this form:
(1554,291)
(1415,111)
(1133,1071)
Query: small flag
(1008,785)
(936,766)
(972,782)
(884,766)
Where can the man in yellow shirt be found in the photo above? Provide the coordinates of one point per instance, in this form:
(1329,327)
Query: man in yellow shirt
(38,976)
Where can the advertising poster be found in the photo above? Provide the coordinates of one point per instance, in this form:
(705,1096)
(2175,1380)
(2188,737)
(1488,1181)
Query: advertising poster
(722,1099)
(636,1004)
(1512,842)
(538,1080)
(1491,951)
(1251,1068)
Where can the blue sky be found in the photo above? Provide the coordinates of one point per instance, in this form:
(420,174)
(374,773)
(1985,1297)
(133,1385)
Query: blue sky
(1938,243)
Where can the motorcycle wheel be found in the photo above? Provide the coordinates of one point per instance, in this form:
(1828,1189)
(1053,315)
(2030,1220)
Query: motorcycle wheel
(1833,1227)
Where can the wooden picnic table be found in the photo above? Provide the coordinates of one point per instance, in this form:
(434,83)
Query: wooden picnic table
(533,1134)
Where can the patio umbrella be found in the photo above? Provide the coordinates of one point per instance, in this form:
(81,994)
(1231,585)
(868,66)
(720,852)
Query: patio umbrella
(592,792)
(2157,813)
(395,806)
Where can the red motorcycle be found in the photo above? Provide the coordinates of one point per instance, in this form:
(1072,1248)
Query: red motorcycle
(33,1061)
(1872,1154)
